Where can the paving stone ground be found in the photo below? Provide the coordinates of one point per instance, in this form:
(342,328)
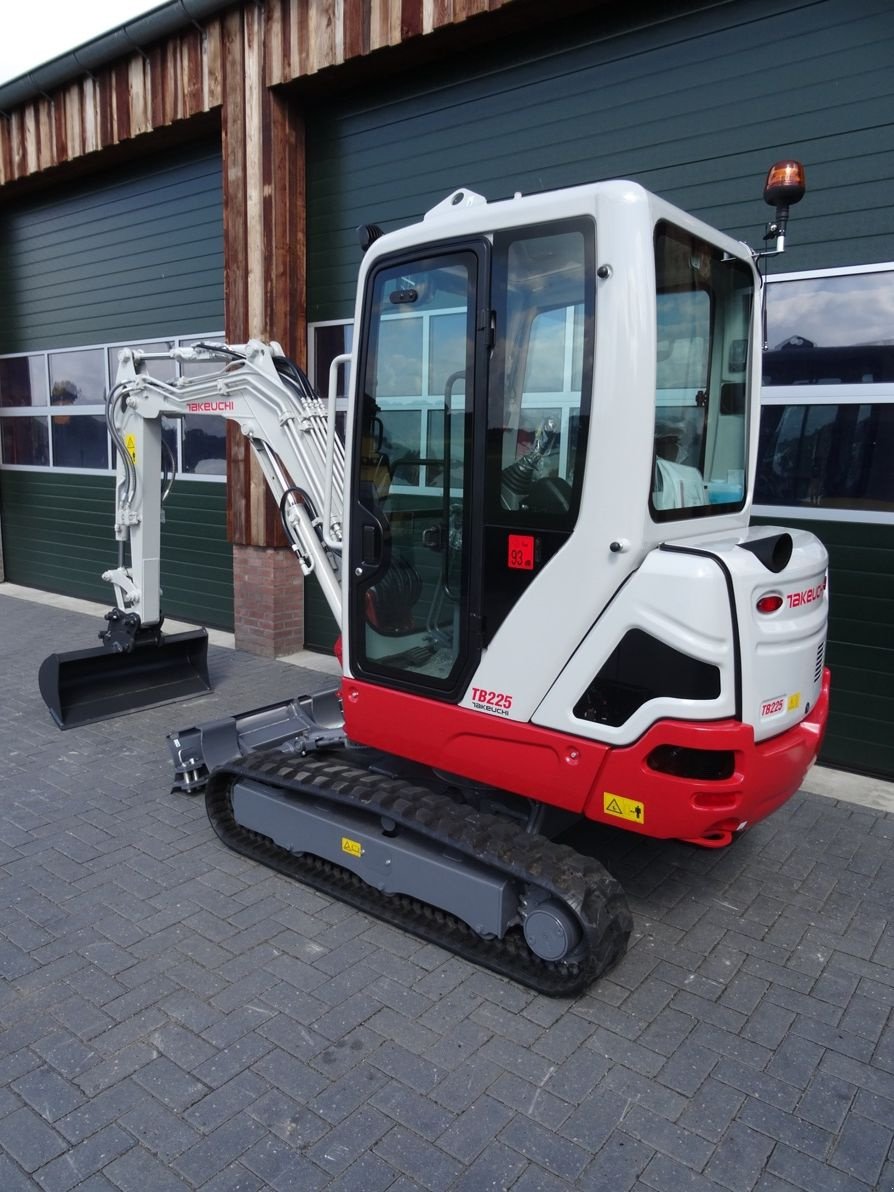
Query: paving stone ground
(173,1016)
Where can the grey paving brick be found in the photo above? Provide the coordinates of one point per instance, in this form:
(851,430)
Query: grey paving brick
(688,1066)
(461,1087)
(786,1127)
(29,1140)
(456,1046)
(810,1174)
(510,1025)
(469,1134)
(346,1052)
(12,1178)
(293,1077)
(827,1101)
(406,1067)
(530,1099)
(281,1167)
(630,1088)
(234,1178)
(535,1179)
(48,1093)
(862,1147)
(369,1174)
(170,1084)
(84,1160)
(805,1005)
(711,1109)
(410,1109)
(345,1143)
(667,1137)
(758,1084)
(834,1038)
(138,1170)
(497,1167)
(558,1155)
(592,1123)
(795,1060)
(214,1108)
(768,1024)
(744,992)
(214,1151)
(580,1073)
(670,1175)
(622,1051)
(284,1117)
(111,1071)
(618,1165)
(344,1095)
(228,1062)
(182,1045)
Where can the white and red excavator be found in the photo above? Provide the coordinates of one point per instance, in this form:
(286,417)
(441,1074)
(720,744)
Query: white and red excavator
(536,541)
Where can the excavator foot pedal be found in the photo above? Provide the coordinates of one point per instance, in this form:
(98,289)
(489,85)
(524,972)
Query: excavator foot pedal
(86,686)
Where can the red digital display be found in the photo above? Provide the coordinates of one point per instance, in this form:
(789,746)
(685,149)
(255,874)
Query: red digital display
(521,552)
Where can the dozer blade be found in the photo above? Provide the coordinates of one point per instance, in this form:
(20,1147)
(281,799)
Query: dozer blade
(85,686)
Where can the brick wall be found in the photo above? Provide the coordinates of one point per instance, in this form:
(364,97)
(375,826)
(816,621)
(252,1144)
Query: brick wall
(268,601)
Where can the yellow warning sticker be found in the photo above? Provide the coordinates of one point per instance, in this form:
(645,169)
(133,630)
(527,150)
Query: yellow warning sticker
(628,809)
(130,443)
(354,847)
(794,701)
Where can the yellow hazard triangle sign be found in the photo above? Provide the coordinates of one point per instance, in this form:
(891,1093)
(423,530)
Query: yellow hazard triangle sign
(626,809)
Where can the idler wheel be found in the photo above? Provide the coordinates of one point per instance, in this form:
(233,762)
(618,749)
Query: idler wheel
(551,930)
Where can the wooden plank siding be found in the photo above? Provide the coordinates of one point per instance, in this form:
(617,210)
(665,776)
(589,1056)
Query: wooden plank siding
(187,73)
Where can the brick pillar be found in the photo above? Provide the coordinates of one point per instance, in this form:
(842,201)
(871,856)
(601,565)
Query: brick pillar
(269,601)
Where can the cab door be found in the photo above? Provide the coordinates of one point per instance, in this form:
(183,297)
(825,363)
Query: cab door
(415,544)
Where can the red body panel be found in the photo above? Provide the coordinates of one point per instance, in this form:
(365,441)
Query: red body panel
(581,775)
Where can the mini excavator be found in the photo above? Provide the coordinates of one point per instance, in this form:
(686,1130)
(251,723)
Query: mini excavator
(535,538)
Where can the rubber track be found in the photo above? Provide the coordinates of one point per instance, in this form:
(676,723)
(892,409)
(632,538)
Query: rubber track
(595,897)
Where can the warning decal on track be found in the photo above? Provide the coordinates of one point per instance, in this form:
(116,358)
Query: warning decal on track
(628,809)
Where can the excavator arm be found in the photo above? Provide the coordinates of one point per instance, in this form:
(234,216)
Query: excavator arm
(291,432)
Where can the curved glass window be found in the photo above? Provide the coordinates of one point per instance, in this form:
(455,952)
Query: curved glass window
(703,313)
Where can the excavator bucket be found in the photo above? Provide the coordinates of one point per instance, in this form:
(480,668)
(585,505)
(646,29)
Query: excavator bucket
(84,686)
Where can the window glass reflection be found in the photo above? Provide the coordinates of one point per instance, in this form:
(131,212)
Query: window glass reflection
(836,456)
(78,378)
(23,381)
(79,441)
(831,330)
(24,441)
(205,445)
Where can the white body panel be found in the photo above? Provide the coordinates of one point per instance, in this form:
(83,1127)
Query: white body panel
(582,579)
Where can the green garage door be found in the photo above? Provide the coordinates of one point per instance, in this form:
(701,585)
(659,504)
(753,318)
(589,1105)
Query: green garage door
(130,257)
(695,105)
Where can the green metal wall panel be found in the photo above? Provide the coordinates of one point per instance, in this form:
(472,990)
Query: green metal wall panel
(58,535)
(135,254)
(694,102)
(126,256)
(860,653)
